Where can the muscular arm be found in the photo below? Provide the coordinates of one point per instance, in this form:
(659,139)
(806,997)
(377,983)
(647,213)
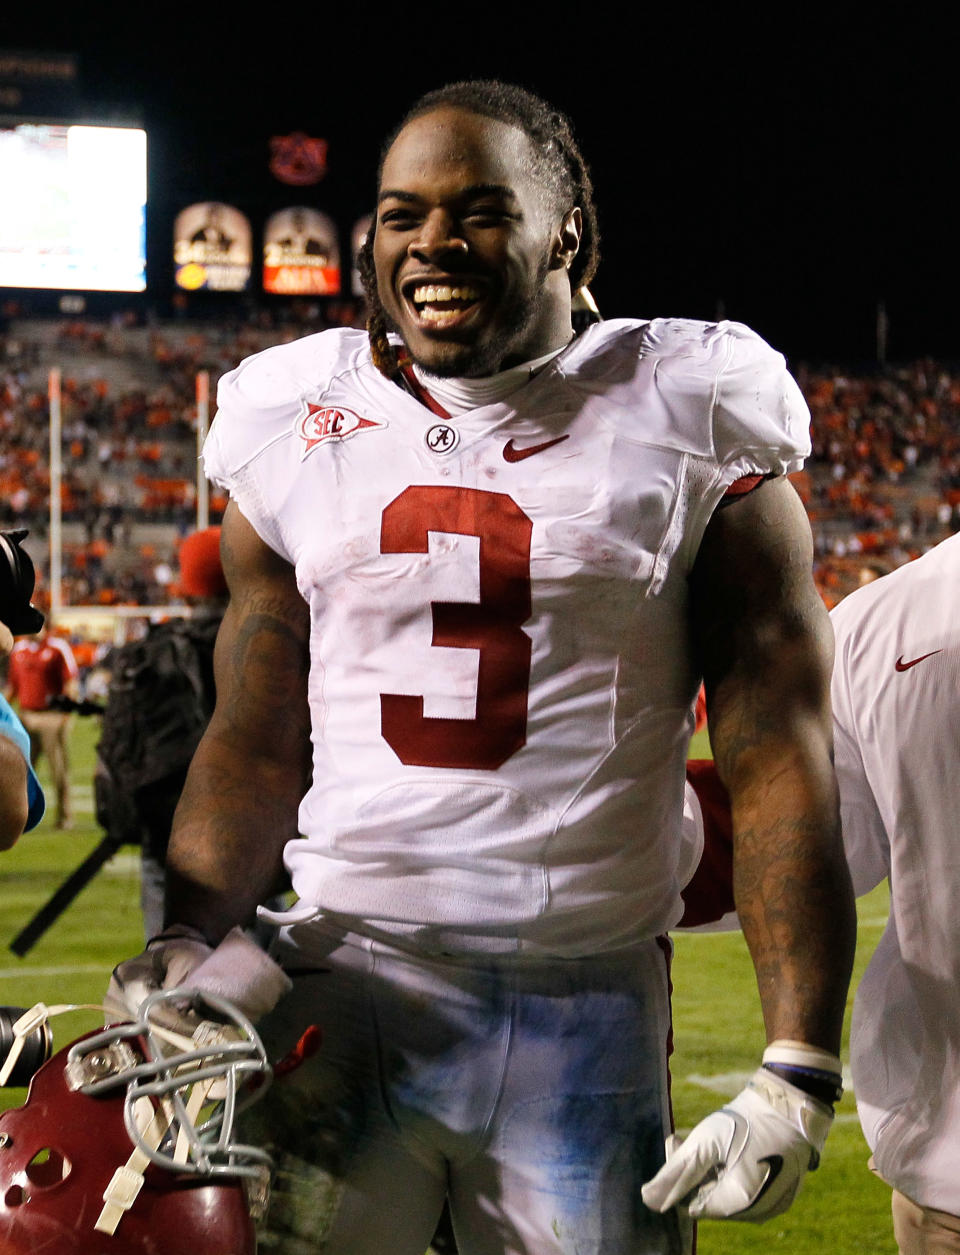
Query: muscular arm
(239,805)
(765,646)
(14,806)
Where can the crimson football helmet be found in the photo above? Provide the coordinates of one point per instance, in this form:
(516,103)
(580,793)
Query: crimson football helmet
(125,1144)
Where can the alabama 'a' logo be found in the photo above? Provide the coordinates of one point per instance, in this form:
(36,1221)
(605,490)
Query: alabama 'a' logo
(322,423)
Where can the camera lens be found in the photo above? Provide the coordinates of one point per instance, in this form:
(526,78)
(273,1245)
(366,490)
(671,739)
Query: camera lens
(36,1048)
(17,581)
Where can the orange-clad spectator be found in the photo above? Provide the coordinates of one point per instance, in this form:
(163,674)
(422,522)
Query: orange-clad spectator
(85,654)
(159,416)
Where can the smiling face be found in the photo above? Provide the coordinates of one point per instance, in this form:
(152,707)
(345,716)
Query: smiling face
(471,250)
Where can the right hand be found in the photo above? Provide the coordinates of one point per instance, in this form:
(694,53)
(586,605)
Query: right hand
(237,969)
(166,963)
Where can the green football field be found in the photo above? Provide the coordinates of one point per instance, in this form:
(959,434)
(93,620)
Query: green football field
(717,1024)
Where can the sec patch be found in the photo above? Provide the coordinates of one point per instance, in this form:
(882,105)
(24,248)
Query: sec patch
(322,423)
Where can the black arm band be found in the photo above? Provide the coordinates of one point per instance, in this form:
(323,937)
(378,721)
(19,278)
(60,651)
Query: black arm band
(825,1086)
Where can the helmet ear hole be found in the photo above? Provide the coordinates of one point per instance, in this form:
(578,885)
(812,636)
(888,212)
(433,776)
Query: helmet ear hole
(16,1196)
(48,1167)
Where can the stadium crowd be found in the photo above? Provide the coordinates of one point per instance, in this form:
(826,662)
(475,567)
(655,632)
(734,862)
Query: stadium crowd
(883,483)
(129,437)
(881,487)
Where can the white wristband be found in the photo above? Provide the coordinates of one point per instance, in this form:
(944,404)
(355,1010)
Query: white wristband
(798,1054)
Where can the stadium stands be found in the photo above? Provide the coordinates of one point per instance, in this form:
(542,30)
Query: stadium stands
(129,424)
(883,481)
(881,487)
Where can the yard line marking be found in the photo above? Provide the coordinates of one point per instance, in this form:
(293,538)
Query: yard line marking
(73,969)
(731,1083)
(728,1083)
(842,1117)
(123,865)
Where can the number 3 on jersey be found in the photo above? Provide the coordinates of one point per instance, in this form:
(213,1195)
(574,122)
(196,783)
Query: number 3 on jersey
(492,626)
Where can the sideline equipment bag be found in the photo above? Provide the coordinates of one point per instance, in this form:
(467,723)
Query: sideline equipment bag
(159,703)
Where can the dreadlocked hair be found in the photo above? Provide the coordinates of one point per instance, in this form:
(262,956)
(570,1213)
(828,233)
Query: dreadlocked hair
(559,163)
(381,350)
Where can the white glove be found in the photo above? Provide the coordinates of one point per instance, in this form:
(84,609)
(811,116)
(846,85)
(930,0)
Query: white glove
(746,1161)
(238,970)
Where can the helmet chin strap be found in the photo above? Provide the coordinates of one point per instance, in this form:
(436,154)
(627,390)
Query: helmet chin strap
(127,1181)
(152,1125)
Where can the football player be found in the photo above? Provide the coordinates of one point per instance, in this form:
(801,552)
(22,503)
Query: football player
(894,697)
(478,566)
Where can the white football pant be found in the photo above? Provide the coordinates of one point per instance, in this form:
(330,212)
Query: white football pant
(534,1094)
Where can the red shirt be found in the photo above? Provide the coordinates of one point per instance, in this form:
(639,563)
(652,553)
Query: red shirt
(40,670)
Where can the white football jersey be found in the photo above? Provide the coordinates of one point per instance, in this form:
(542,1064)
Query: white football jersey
(500,687)
(896,700)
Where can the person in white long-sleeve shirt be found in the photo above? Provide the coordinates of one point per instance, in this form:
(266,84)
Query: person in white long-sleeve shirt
(896,702)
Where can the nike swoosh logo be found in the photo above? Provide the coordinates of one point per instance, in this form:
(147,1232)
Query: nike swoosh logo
(905,666)
(513,454)
(775,1166)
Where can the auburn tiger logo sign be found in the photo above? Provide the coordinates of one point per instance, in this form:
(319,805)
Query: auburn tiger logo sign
(298,159)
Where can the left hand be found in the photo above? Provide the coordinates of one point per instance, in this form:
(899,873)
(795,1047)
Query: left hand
(746,1161)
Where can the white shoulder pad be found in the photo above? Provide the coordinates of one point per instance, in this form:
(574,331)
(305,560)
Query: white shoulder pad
(760,419)
(759,404)
(714,389)
(259,401)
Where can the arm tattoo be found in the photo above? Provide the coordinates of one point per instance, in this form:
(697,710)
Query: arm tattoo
(765,645)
